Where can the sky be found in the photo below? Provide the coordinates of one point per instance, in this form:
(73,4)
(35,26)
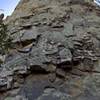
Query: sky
(8,6)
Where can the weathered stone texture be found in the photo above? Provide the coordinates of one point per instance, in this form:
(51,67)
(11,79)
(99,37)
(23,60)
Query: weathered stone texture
(56,51)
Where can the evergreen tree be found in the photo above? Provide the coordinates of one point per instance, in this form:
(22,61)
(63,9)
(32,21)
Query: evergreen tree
(5,40)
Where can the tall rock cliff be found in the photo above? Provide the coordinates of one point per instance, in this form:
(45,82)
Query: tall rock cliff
(55,53)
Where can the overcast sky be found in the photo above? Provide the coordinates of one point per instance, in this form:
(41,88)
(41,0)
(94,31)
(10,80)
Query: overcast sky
(8,6)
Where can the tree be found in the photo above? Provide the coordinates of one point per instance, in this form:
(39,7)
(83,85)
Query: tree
(5,39)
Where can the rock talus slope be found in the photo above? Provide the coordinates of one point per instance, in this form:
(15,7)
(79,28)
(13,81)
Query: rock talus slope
(55,54)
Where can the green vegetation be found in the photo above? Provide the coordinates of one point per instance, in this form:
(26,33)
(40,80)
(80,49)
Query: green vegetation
(5,39)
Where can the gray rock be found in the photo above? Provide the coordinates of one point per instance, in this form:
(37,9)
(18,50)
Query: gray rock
(18,97)
(61,34)
(68,30)
(34,87)
(65,55)
(6,83)
(22,70)
(25,35)
(61,73)
(52,94)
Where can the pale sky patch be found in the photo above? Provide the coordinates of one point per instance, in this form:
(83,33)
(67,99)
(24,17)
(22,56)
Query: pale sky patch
(8,6)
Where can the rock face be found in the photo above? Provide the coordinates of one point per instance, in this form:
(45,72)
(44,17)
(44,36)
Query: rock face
(56,50)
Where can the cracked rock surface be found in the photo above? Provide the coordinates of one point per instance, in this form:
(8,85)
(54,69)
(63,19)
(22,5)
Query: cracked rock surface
(56,51)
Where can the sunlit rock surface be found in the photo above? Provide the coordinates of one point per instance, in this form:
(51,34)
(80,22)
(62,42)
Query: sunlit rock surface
(55,54)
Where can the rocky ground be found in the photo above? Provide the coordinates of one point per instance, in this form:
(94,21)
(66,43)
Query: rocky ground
(55,54)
